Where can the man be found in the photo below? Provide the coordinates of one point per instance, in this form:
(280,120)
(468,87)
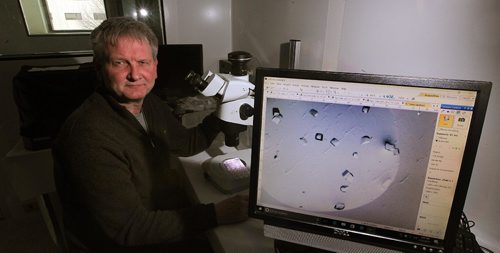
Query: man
(114,157)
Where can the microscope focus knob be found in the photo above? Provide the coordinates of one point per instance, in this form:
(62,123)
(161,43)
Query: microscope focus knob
(246,111)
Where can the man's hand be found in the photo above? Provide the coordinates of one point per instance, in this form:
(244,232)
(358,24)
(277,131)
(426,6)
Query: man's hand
(232,210)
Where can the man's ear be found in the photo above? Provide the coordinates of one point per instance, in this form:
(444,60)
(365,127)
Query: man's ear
(156,66)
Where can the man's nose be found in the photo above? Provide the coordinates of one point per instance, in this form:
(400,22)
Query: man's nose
(133,73)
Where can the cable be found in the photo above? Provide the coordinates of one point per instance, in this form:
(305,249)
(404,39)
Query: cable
(486,249)
(467,225)
(464,222)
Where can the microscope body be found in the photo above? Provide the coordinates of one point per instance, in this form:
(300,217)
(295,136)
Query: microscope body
(235,94)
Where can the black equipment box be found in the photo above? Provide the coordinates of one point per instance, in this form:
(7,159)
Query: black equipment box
(46,96)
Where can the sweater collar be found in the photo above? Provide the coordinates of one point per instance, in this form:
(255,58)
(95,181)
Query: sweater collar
(122,111)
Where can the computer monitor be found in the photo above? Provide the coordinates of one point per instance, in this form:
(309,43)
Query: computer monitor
(352,162)
(175,61)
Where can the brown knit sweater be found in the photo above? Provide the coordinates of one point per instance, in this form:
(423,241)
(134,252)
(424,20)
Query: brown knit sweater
(118,184)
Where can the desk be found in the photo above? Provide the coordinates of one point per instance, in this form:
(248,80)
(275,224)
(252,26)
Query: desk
(244,237)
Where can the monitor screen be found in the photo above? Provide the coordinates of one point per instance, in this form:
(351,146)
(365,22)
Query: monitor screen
(363,163)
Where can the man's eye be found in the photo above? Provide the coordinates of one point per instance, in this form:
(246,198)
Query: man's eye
(118,63)
(143,62)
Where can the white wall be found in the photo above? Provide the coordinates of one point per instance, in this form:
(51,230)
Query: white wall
(446,39)
(260,26)
(206,22)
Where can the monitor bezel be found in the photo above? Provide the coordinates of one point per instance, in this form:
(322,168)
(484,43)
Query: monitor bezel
(482,88)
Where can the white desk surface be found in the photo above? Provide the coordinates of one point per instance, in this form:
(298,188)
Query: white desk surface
(242,237)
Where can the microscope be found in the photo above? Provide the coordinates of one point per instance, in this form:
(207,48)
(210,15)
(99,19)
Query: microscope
(235,95)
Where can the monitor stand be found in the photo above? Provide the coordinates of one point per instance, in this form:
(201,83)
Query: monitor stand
(288,247)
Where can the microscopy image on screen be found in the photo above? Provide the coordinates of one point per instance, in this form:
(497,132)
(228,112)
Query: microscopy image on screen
(344,161)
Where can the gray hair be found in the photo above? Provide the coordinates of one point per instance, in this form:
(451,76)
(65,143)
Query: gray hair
(110,30)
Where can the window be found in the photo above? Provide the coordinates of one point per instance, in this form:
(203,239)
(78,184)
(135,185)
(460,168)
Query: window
(45,17)
(74,17)
(79,15)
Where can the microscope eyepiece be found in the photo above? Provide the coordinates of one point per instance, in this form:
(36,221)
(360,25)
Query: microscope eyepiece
(196,81)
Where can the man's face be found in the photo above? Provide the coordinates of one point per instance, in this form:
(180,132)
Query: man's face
(130,70)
